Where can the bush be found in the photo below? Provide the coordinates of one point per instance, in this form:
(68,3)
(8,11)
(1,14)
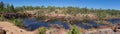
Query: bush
(2,18)
(18,22)
(74,30)
(42,30)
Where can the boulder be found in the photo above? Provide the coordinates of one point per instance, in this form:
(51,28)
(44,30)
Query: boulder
(117,28)
(2,31)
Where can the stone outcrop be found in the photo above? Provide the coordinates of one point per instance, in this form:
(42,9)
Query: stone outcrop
(114,30)
(2,31)
(56,31)
(117,28)
(15,15)
(102,31)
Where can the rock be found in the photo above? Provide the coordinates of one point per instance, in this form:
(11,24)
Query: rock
(2,31)
(11,32)
(56,31)
(21,31)
(102,31)
(117,28)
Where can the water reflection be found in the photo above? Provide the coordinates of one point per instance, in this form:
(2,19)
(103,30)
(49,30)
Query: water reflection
(65,25)
(83,26)
(114,21)
(33,24)
(94,24)
(37,25)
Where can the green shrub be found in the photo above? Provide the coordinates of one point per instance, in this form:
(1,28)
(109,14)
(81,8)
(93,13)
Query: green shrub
(74,30)
(42,30)
(18,22)
(2,18)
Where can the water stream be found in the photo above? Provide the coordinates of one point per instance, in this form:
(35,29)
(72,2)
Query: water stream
(115,21)
(33,23)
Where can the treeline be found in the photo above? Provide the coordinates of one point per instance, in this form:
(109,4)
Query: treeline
(65,10)
(100,13)
(5,8)
(70,10)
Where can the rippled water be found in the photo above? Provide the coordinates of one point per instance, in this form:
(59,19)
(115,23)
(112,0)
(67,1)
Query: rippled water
(32,23)
(89,24)
(84,26)
(115,21)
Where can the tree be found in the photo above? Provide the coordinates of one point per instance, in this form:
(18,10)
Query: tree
(1,6)
(72,10)
(84,10)
(10,8)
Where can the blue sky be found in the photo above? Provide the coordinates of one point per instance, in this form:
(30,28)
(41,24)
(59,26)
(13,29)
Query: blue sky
(105,4)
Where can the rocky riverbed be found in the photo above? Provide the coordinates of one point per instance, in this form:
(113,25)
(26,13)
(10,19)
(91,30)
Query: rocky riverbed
(9,28)
(102,31)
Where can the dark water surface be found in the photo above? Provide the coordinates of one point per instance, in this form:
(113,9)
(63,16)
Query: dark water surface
(33,23)
(115,21)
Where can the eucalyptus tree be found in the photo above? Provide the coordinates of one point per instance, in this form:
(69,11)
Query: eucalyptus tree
(1,6)
(10,8)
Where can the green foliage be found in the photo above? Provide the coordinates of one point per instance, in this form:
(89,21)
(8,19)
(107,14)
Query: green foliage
(42,30)
(11,8)
(84,10)
(2,18)
(17,22)
(6,8)
(73,10)
(1,5)
(101,13)
(74,30)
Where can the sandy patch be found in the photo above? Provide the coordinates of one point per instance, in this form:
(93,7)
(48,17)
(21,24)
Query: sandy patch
(12,29)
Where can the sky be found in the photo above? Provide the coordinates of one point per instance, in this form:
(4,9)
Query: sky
(104,4)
